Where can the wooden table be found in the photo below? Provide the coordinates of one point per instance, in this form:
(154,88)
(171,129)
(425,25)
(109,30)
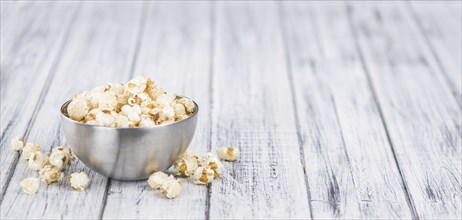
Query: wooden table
(341,109)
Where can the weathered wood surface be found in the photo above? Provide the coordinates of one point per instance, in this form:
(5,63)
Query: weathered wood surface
(422,117)
(176,52)
(32,38)
(441,29)
(96,52)
(351,168)
(253,110)
(341,109)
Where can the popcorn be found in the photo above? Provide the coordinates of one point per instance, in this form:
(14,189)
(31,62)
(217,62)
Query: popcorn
(29,149)
(105,118)
(78,109)
(229,153)
(50,173)
(60,157)
(187,103)
(171,187)
(136,85)
(30,185)
(187,165)
(212,161)
(37,160)
(103,101)
(156,179)
(140,103)
(17,144)
(79,181)
(203,175)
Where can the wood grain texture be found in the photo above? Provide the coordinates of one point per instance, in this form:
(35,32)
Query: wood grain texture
(253,111)
(350,165)
(100,49)
(421,115)
(175,52)
(441,29)
(31,41)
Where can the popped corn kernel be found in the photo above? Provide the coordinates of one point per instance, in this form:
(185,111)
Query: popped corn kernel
(203,175)
(78,109)
(79,181)
(103,101)
(17,144)
(50,173)
(29,149)
(171,187)
(188,104)
(136,85)
(30,185)
(229,153)
(146,121)
(105,118)
(186,166)
(156,179)
(121,121)
(116,89)
(212,161)
(37,160)
(61,157)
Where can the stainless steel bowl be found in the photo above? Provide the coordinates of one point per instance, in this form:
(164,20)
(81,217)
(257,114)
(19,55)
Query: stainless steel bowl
(128,153)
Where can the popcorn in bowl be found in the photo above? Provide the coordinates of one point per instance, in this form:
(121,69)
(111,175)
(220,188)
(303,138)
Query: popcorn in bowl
(139,103)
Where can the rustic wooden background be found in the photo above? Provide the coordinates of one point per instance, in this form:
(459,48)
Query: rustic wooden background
(341,109)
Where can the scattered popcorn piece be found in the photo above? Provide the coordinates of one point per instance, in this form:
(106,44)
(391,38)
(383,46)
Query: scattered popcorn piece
(17,144)
(61,157)
(187,164)
(78,109)
(212,161)
(37,160)
(203,175)
(156,179)
(50,173)
(171,187)
(229,153)
(79,181)
(30,185)
(29,149)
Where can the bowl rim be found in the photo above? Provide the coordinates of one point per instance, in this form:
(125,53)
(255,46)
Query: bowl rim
(64,116)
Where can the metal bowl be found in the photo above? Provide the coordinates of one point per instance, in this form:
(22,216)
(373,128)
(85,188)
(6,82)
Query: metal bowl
(128,153)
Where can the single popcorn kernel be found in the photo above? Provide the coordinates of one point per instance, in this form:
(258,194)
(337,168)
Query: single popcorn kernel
(156,179)
(203,175)
(30,185)
(187,164)
(17,144)
(212,161)
(37,160)
(29,149)
(79,181)
(78,109)
(50,173)
(229,153)
(61,157)
(171,187)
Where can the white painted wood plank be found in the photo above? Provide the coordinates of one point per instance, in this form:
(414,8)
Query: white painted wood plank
(350,165)
(421,115)
(442,30)
(31,40)
(175,52)
(100,49)
(253,110)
